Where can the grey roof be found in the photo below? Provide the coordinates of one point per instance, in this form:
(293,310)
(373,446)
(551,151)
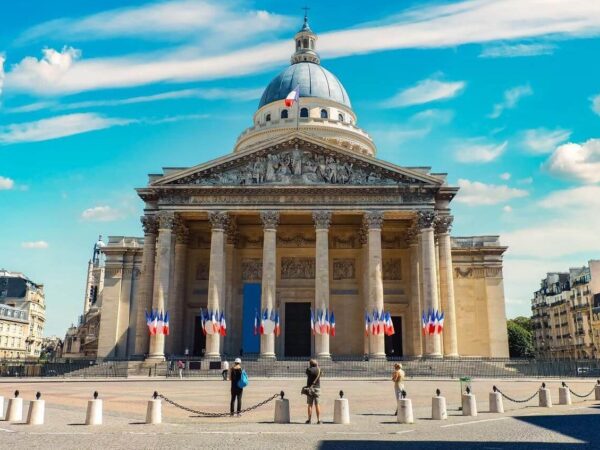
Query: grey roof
(314,81)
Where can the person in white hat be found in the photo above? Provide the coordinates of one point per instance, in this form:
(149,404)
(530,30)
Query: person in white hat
(235,376)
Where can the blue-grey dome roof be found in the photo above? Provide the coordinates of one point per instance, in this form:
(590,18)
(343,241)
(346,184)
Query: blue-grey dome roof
(314,81)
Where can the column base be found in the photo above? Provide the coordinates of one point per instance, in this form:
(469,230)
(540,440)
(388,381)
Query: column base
(324,357)
(267,357)
(452,356)
(213,356)
(155,358)
(432,356)
(377,356)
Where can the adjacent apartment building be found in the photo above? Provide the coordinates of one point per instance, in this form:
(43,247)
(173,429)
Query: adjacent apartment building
(22,316)
(566,314)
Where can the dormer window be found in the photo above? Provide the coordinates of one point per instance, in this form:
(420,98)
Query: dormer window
(305,43)
(324,114)
(341,117)
(304,112)
(268,118)
(284,114)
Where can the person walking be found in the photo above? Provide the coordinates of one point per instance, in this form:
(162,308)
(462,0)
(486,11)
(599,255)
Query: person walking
(225,369)
(398,379)
(180,366)
(235,375)
(313,389)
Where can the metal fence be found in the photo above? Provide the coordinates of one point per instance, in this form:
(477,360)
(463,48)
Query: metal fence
(65,369)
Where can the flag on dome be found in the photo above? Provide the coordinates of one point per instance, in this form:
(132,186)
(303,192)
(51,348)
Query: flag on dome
(165,328)
(293,96)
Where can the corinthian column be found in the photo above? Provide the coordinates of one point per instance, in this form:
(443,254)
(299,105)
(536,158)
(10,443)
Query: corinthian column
(322,220)
(177,303)
(270,220)
(415,297)
(374,222)
(443,226)
(216,276)
(429,273)
(162,278)
(143,299)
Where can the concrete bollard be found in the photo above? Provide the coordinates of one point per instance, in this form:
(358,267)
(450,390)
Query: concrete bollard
(14,412)
(282,409)
(35,416)
(94,411)
(496,405)
(405,411)
(545,397)
(469,403)
(154,410)
(597,391)
(341,410)
(438,407)
(564,396)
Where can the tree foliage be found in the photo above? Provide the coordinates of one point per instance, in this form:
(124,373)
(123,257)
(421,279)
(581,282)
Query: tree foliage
(520,340)
(524,322)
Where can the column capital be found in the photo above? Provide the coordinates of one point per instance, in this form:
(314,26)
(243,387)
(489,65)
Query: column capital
(443,224)
(270,219)
(182,233)
(166,220)
(412,235)
(425,219)
(218,220)
(373,220)
(322,219)
(232,231)
(149,224)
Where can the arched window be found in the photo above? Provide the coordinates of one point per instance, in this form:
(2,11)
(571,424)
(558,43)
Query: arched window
(305,43)
(298,44)
(312,44)
(324,114)
(304,112)
(341,117)
(268,118)
(284,114)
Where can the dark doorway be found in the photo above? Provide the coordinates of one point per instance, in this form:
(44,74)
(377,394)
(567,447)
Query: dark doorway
(199,337)
(393,343)
(251,305)
(297,329)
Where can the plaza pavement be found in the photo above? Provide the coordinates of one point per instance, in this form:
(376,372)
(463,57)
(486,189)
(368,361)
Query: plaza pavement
(373,426)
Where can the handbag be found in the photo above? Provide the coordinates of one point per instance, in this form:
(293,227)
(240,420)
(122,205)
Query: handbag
(310,390)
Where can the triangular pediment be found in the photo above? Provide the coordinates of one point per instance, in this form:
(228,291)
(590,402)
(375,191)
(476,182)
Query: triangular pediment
(297,160)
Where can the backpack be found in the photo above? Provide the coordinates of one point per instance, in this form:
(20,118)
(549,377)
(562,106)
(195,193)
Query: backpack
(243,381)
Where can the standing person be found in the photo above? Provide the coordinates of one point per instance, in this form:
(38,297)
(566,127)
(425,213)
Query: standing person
(235,375)
(313,391)
(225,369)
(398,379)
(180,367)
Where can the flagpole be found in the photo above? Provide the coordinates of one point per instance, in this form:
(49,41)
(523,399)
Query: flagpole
(298,115)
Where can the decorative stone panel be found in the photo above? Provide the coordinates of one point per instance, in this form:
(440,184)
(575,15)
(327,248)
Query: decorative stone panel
(202,269)
(344,269)
(297,268)
(251,269)
(392,269)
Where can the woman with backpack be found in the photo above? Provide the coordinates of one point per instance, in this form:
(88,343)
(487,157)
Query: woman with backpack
(239,380)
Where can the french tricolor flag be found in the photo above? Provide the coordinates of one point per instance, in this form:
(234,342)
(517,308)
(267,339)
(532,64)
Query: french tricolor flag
(165,329)
(292,97)
(332,324)
(277,324)
(256,323)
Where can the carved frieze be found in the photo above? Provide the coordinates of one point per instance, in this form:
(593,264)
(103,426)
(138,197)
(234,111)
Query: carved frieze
(392,269)
(393,240)
(345,240)
(251,269)
(295,240)
(344,269)
(297,268)
(202,269)
(250,241)
(477,272)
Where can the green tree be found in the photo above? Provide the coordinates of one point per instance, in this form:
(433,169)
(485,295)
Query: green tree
(524,322)
(520,340)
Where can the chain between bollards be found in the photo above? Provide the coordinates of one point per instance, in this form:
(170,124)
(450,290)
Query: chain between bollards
(212,414)
(514,400)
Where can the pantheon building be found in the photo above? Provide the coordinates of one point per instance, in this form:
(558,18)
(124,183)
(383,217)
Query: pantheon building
(302,215)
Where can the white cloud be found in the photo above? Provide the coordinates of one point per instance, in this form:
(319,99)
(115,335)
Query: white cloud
(35,244)
(516,50)
(394,135)
(56,127)
(425,91)
(542,140)
(102,213)
(507,209)
(434,116)
(2,59)
(580,162)
(510,100)
(6,183)
(438,26)
(596,104)
(527,180)
(505,176)
(478,193)
(477,151)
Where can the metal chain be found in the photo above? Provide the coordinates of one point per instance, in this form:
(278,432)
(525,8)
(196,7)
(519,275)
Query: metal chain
(213,414)
(514,399)
(583,396)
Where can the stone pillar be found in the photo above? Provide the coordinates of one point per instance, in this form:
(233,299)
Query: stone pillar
(374,222)
(443,226)
(162,278)
(415,297)
(429,273)
(322,221)
(218,220)
(364,241)
(233,330)
(177,304)
(144,295)
(270,220)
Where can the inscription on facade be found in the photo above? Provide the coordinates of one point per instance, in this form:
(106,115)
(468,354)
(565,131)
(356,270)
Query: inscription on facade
(297,268)
(344,269)
(251,270)
(392,269)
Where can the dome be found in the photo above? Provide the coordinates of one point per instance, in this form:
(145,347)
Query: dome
(314,81)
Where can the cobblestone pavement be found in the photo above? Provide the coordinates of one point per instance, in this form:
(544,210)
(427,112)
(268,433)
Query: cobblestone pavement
(373,425)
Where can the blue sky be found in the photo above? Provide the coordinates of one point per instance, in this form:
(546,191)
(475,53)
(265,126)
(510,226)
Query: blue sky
(502,95)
